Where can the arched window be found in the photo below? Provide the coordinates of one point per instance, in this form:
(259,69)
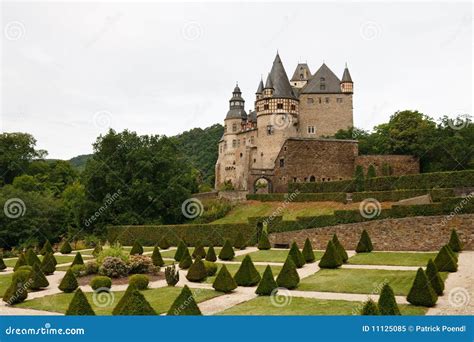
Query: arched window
(312,179)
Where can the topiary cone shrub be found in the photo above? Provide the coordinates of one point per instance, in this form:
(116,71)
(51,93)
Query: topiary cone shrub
(263,242)
(68,283)
(164,244)
(421,292)
(186,262)
(268,284)
(288,276)
(224,281)
(37,278)
(211,268)
(97,250)
(247,274)
(445,261)
(227,252)
(79,305)
(122,300)
(134,304)
(211,254)
(17,292)
(340,249)
(387,304)
(137,249)
(297,256)
(77,259)
(199,251)
(20,262)
(433,277)
(359,178)
(31,257)
(365,244)
(197,272)
(454,255)
(180,250)
(370,309)
(171,275)
(47,248)
(454,241)
(331,257)
(240,242)
(156,257)
(2,264)
(184,304)
(308,253)
(65,248)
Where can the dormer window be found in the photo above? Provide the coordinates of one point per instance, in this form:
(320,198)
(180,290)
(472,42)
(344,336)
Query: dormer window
(279,105)
(322,87)
(322,79)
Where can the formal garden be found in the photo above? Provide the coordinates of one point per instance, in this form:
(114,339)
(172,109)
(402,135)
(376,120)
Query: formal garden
(231,279)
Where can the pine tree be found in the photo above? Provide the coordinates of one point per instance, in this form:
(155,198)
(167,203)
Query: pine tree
(454,241)
(445,261)
(227,252)
(137,249)
(211,254)
(263,242)
(134,304)
(197,272)
(433,277)
(180,250)
(359,178)
(68,283)
(224,281)
(156,257)
(186,261)
(37,278)
(2,263)
(371,173)
(247,274)
(288,276)
(65,248)
(297,256)
(421,292)
(31,257)
(387,304)
(47,248)
(77,259)
(308,253)
(268,284)
(340,249)
(370,309)
(164,244)
(184,304)
(331,257)
(199,251)
(79,305)
(365,244)
(240,242)
(21,261)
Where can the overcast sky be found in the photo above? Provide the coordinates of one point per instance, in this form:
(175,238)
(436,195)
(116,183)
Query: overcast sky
(70,71)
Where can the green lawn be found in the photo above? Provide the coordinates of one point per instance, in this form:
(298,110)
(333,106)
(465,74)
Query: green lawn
(145,248)
(233,268)
(359,281)
(161,300)
(61,259)
(307,306)
(5,280)
(272,255)
(390,258)
(172,252)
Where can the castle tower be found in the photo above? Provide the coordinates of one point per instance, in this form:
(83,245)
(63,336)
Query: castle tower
(301,75)
(347,86)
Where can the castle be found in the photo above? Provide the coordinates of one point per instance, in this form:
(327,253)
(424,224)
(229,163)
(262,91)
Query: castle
(285,138)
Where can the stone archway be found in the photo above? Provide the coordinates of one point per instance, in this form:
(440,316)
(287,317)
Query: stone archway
(262,185)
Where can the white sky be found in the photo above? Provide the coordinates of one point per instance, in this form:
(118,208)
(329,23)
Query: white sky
(71,70)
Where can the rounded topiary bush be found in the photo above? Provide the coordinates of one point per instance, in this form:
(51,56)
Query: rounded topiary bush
(297,256)
(113,267)
(308,253)
(211,254)
(164,244)
(137,249)
(156,257)
(184,304)
(197,272)
(268,284)
(421,292)
(65,248)
(365,244)
(139,281)
(99,282)
(247,274)
(224,281)
(68,283)
(37,278)
(79,305)
(331,257)
(387,304)
(227,252)
(288,276)
(263,242)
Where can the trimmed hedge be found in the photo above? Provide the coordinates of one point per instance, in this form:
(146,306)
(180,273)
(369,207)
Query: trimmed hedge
(137,248)
(227,252)
(288,276)
(331,257)
(37,278)
(65,248)
(197,272)
(184,304)
(247,274)
(31,257)
(2,263)
(47,248)
(156,257)
(17,292)
(138,281)
(101,282)
(79,305)
(133,304)
(68,283)
(370,308)
(340,249)
(397,195)
(365,244)
(224,281)
(308,252)
(433,277)
(78,259)
(263,242)
(421,292)
(454,241)
(301,197)
(240,242)
(445,261)
(211,254)
(297,256)
(268,284)
(21,261)
(387,304)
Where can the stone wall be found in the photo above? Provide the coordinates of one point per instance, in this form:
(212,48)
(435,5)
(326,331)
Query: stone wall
(399,164)
(423,233)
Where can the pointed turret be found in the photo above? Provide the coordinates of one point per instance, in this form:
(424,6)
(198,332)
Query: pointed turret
(279,80)
(347,86)
(260,87)
(236,105)
(269,83)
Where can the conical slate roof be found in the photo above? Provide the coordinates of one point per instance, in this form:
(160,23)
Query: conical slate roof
(260,87)
(301,73)
(324,81)
(279,80)
(268,82)
(346,77)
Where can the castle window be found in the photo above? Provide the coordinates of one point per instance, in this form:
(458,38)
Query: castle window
(339,100)
(225,128)
(319,99)
(252,139)
(305,179)
(234,127)
(282,162)
(327,99)
(322,79)
(258,108)
(322,86)
(310,100)
(266,107)
(241,155)
(225,145)
(269,129)
(293,107)
(279,105)
(284,148)
(312,179)
(294,179)
(233,163)
(234,143)
(311,130)
(238,143)
(254,160)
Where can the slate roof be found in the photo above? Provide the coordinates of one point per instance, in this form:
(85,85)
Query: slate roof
(302,73)
(324,81)
(278,79)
